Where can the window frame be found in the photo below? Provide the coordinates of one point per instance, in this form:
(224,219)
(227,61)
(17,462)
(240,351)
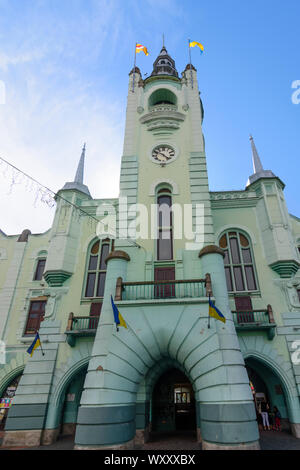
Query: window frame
(36,268)
(42,315)
(163,192)
(242,264)
(97,271)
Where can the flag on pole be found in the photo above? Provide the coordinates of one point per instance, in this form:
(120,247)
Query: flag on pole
(140,48)
(119,320)
(195,43)
(35,344)
(215,312)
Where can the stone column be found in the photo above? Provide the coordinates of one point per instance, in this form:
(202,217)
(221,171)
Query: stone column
(106,417)
(227,412)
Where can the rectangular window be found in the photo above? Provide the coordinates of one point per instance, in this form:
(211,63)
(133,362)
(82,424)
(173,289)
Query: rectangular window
(35,316)
(235,251)
(40,267)
(250,278)
(101,284)
(228,279)
(165,245)
(238,277)
(90,285)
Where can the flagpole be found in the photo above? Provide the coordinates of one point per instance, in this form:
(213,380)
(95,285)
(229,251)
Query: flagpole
(191,64)
(208,313)
(134,68)
(41,344)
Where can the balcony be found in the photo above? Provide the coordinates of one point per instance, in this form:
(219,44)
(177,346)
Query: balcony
(162,291)
(255,320)
(80,327)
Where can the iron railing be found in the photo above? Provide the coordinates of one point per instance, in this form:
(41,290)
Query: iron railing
(253,317)
(82,323)
(154,290)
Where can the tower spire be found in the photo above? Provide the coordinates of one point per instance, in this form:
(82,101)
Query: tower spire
(80,168)
(257,165)
(77,184)
(258,169)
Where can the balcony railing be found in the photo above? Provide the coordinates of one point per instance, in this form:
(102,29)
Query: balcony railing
(255,320)
(80,326)
(159,290)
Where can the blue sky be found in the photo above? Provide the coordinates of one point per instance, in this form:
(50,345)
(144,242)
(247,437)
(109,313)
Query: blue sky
(65,66)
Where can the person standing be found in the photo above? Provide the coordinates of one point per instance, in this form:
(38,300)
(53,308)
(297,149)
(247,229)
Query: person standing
(264,408)
(277,419)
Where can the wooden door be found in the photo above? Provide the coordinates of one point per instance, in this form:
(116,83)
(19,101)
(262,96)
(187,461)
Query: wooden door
(244,309)
(164,290)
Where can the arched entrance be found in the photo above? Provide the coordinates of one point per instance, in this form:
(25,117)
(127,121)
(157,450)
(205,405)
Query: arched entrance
(71,403)
(6,399)
(267,387)
(173,404)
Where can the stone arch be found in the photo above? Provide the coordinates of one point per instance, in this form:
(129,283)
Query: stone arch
(6,379)
(162,181)
(269,357)
(61,379)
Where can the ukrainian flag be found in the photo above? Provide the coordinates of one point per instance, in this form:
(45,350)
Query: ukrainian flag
(195,43)
(215,312)
(118,317)
(36,343)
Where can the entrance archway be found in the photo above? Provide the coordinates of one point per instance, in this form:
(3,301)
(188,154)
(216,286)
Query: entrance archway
(6,399)
(267,386)
(71,403)
(173,403)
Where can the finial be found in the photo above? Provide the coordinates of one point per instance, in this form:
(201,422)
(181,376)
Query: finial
(163,40)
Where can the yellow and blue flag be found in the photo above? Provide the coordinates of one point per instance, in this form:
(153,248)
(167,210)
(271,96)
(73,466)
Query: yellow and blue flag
(195,43)
(35,344)
(119,320)
(215,312)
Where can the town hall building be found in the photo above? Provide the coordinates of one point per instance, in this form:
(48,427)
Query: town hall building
(172,368)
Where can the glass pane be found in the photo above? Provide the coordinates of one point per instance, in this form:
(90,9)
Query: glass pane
(246,255)
(243,240)
(223,242)
(93,263)
(95,248)
(164,245)
(228,279)
(164,211)
(90,285)
(238,277)
(104,255)
(235,255)
(101,284)
(250,277)
(226,259)
(40,270)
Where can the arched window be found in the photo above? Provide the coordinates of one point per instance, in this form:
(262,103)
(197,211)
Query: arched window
(162,95)
(40,266)
(165,231)
(239,262)
(96,268)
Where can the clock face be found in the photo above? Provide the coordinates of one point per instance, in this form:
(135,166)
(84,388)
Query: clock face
(163,153)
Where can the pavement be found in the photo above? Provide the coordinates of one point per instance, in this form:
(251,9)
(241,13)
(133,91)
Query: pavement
(269,440)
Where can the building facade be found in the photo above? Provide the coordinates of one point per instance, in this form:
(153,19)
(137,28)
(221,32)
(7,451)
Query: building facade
(173,367)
